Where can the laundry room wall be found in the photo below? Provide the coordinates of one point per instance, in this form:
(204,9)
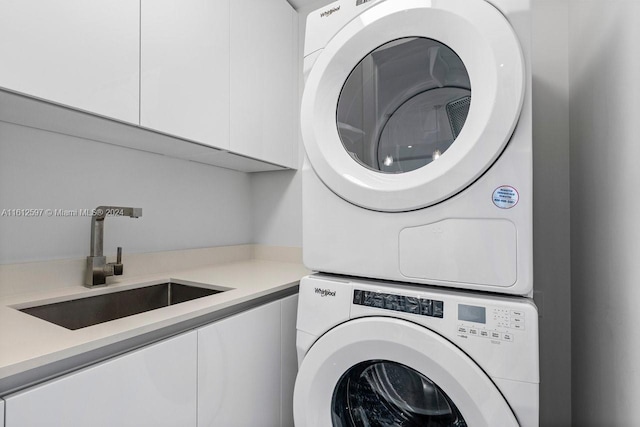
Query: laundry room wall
(185,204)
(605,211)
(551,212)
(277,208)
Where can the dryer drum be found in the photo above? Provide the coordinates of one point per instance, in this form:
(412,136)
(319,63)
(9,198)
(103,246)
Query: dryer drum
(403,105)
(385,393)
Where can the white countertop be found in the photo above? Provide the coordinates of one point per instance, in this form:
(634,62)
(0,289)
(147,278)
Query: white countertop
(28,343)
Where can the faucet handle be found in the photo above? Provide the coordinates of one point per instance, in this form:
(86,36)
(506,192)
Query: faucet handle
(118,267)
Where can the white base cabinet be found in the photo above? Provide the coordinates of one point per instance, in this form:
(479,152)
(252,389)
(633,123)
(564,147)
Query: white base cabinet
(1,413)
(245,371)
(153,386)
(289,357)
(236,372)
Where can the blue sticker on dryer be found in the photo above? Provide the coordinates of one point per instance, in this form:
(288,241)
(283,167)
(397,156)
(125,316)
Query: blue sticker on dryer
(505,197)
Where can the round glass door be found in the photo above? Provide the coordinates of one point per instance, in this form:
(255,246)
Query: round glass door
(386,372)
(403,105)
(386,393)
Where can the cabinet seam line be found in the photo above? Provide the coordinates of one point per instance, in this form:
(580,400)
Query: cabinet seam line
(140,65)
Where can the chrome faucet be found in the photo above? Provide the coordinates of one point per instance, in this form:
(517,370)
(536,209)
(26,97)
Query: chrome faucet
(97,267)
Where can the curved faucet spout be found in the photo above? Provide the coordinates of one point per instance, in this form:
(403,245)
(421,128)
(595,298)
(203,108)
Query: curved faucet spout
(97,224)
(97,267)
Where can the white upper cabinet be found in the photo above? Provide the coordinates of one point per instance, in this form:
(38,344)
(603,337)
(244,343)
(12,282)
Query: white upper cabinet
(264,80)
(220,73)
(185,69)
(82,54)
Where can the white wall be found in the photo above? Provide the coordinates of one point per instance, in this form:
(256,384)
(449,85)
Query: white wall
(277,208)
(605,210)
(185,204)
(551,212)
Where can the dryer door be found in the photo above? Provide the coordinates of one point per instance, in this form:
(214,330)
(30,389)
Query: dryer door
(412,101)
(382,371)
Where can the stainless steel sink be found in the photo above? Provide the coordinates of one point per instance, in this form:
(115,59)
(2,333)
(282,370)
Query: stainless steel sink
(88,311)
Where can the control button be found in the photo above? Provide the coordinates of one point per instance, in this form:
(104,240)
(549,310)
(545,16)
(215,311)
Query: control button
(517,326)
(517,320)
(495,335)
(473,331)
(517,313)
(367,298)
(438,309)
(377,300)
(412,305)
(426,307)
(392,302)
(462,330)
(507,337)
(357,297)
(484,334)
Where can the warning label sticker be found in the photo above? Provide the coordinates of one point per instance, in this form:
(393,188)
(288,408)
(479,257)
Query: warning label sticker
(505,197)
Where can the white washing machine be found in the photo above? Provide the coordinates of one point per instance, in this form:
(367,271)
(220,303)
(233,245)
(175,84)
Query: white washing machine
(416,122)
(377,354)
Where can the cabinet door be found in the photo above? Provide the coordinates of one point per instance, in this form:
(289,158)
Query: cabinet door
(1,413)
(289,357)
(185,69)
(153,386)
(239,370)
(264,80)
(83,54)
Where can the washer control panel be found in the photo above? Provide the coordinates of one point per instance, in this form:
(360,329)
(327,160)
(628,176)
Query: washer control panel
(498,324)
(402,303)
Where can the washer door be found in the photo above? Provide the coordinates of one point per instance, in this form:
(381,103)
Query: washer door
(382,371)
(412,101)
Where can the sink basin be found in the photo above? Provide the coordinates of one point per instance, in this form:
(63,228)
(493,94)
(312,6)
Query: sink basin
(88,311)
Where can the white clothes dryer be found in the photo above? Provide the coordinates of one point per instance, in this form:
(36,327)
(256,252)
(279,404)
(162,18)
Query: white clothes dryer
(377,354)
(416,122)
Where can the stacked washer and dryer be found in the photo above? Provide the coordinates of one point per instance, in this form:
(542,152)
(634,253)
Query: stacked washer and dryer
(417,216)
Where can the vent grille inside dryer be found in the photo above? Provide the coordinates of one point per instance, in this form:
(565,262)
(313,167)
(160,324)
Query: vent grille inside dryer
(457,112)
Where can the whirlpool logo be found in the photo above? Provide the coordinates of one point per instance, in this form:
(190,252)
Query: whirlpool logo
(325,292)
(329,12)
